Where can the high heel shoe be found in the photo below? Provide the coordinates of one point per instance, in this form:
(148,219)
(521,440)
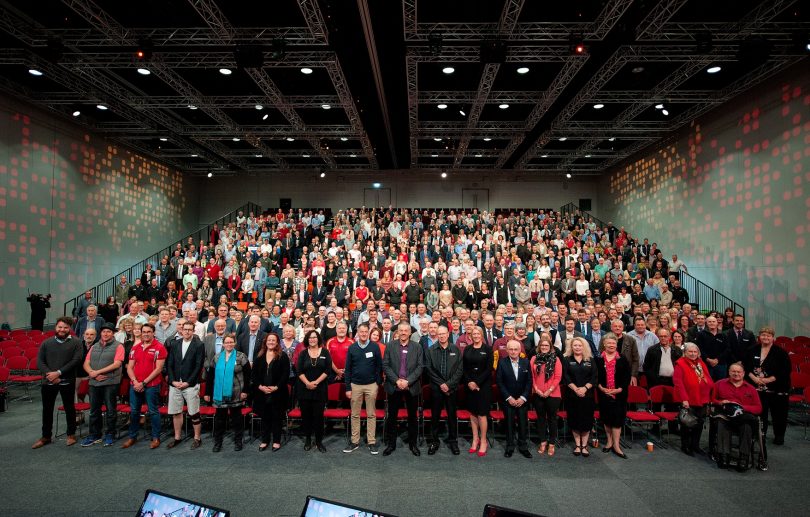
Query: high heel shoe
(542,449)
(473,449)
(481,454)
(576,450)
(585,453)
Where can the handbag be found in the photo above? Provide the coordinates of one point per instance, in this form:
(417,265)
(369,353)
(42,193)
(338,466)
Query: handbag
(687,418)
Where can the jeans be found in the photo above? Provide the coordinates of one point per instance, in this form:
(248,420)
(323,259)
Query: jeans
(150,396)
(49,393)
(103,395)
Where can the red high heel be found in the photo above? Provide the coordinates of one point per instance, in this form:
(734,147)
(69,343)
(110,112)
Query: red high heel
(473,449)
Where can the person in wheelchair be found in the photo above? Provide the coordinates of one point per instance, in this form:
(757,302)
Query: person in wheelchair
(737,407)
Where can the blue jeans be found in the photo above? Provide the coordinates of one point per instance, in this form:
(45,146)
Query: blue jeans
(136,400)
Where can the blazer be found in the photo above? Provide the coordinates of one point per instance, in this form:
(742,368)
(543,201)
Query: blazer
(621,378)
(508,385)
(496,335)
(210,344)
(414,366)
(277,373)
(243,344)
(264,326)
(738,348)
(188,368)
(81,326)
(454,367)
(652,362)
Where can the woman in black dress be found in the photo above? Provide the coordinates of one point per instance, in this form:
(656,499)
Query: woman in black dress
(768,368)
(614,379)
(314,363)
(580,377)
(478,379)
(271,375)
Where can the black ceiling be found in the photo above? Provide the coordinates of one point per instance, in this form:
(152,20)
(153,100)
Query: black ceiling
(377,65)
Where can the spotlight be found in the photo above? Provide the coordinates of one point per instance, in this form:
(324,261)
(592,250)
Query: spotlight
(448,70)
(266,115)
(236,139)
(442,106)
(192,107)
(479,155)
(659,106)
(598,106)
(444,175)
(210,174)
(487,139)
(257,155)
(503,106)
(323,175)
(144,71)
(144,50)
(326,106)
(306,71)
(587,156)
(34,71)
(194,155)
(577,45)
(612,139)
(305,155)
(523,70)
(713,69)
(563,138)
(543,156)
(376,185)
(462,112)
(437,139)
(259,107)
(637,69)
(278,49)
(290,139)
(101,107)
(77,113)
(665,112)
(344,139)
(164,139)
(568,175)
(225,71)
(352,155)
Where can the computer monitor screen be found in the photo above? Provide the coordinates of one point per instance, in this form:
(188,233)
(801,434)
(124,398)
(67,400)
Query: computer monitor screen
(317,507)
(158,504)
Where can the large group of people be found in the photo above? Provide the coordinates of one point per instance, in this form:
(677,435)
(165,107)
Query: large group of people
(442,310)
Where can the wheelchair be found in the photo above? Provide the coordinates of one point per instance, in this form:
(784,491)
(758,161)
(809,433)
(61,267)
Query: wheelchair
(744,456)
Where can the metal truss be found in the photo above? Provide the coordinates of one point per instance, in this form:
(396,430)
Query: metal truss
(194,59)
(657,17)
(472,54)
(314,18)
(221,101)
(467,97)
(335,72)
(167,38)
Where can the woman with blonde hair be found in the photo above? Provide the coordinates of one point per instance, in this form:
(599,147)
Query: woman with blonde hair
(580,377)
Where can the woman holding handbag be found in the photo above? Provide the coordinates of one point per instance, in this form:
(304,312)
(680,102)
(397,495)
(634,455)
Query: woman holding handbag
(693,386)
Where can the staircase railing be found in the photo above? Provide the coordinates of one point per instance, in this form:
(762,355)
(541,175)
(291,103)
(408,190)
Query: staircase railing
(107,288)
(702,295)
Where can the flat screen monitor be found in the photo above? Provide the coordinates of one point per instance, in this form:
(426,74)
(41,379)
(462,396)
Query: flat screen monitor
(317,507)
(492,510)
(158,504)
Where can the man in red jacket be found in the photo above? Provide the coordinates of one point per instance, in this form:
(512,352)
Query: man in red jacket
(735,390)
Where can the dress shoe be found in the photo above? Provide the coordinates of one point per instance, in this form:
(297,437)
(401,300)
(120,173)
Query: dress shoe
(722,461)
(155,443)
(174,443)
(129,443)
(388,450)
(415,450)
(525,453)
(217,447)
(320,447)
(42,442)
(454,449)
(620,454)
(507,453)
(196,444)
(70,440)
(237,446)
(687,451)
(433,448)
(307,444)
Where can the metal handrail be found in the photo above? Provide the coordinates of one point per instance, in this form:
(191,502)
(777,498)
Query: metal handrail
(107,288)
(702,295)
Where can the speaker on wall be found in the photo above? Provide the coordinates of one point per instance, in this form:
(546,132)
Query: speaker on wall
(285,203)
(585,204)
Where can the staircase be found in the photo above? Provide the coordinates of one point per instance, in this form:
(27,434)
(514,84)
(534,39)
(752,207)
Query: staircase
(107,288)
(701,295)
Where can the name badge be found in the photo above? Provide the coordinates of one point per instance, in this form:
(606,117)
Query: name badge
(322,357)
(404,351)
(369,355)
(482,353)
(452,353)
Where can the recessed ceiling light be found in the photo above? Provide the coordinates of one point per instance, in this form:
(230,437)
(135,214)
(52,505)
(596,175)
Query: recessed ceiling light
(448,70)
(34,71)
(323,174)
(462,112)
(442,106)
(144,71)
(437,139)
(543,156)
(326,106)
(503,106)
(523,70)
(665,112)
(352,155)
(598,106)
(434,155)
(479,155)
(266,115)
(101,107)
(164,139)
(77,113)
(210,174)
(637,69)
(568,175)
(257,155)
(192,107)
(487,139)
(306,71)
(376,185)
(236,139)
(259,107)
(225,71)
(193,155)
(587,156)
(563,138)
(612,139)
(713,69)
(290,139)
(444,175)
(659,106)
(344,139)
(305,155)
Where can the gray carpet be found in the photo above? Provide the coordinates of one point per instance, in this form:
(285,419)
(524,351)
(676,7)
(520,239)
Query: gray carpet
(62,481)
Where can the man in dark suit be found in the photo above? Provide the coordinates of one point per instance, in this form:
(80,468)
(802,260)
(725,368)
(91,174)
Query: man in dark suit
(251,342)
(491,334)
(739,340)
(514,383)
(444,369)
(319,292)
(184,365)
(403,363)
(265,325)
(92,320)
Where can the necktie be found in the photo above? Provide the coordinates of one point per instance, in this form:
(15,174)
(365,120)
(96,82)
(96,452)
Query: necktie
(387,337)
(489,337)
(739,335)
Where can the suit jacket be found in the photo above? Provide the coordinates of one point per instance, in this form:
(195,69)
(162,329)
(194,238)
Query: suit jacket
(454,367)
(508,385)
(81,326)
(319,295)
(210,343)
(629,350)
(496,335)
(265,326)
(243,344)
(738,348)
(189,368)
(652,362)
(415,364)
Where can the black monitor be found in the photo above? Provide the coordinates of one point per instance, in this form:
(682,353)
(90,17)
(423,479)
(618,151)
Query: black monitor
(158,504)
(317,507)
(492,510)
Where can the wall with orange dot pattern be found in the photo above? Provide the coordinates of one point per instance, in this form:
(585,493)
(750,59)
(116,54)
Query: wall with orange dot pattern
(76,210)
(732,198)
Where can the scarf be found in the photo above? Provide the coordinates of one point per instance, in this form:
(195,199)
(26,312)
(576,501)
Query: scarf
(223,376)
(697,369)
(548,359)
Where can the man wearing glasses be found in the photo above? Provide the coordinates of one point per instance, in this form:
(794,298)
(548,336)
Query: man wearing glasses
(144,370)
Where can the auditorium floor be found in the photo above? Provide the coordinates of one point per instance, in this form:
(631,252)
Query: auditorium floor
(61,481)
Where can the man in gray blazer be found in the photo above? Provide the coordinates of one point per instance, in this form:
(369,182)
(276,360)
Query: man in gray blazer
(403,363)
(213,342)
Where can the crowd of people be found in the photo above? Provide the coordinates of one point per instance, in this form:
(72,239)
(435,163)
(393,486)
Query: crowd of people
(444,310)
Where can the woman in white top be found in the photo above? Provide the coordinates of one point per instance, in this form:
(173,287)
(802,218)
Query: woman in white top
(582,286)
(544,271)
(247,286)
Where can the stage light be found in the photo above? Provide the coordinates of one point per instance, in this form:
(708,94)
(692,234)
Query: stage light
(543,156)
(479,155)
(487,139)
(144,71)
(352,155)
(665,112)
(612,139)
(164,139)
(194,155)
(448,70)
(266,115)
(192,107)
(462,112)
(587,156)
(225,71)
(305,155)
(713,69)
(563,138)
(306,70)
(326,106)
(259,107)
(210,174)
(290,139)
(34,71)
(576,45)
(77,113)
(637,69)
(344,139)
(101,107)
(598,106)
(568,175)
(437,139)
(144,50)
(503,106)
(257,155)
(444,175)
(659,106)
(523,70)
(323,175)
(442,106)
(376,185)
(434,155)
(236,139)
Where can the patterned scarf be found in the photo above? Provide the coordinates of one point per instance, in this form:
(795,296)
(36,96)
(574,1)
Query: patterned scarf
(697,368)
(549,359)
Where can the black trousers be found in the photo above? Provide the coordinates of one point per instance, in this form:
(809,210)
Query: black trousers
(778,407)
(396,401)
(744,425)
(312,418)
(68,393)
(546,409)
(103,395)
(446,401)
(272,416)
(690,438)
(521,414)
(237,423)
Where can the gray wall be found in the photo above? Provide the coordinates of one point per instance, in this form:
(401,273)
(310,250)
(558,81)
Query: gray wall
(732,197)
(76,209)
